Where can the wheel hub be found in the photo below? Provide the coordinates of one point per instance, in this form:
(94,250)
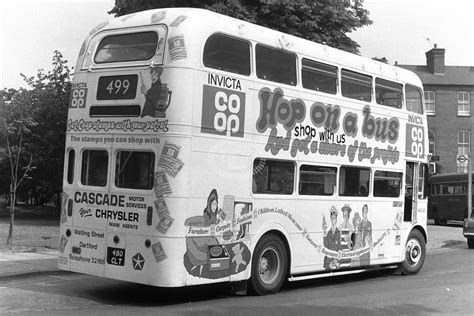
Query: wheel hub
(413,251)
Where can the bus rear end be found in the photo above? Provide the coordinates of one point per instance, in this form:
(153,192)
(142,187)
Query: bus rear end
(122,155)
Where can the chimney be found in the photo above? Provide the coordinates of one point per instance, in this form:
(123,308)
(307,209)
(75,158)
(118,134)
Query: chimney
(435,60)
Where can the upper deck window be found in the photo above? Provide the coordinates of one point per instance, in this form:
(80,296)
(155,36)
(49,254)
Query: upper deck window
(126,47)
(318,76)
(388,93)
(226,53)
(414,100)
(356,85)
(275,65)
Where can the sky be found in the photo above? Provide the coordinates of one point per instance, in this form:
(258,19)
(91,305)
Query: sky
(402,31)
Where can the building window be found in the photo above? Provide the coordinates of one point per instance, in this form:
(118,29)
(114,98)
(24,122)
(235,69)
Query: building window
(464,144)
(430,102)
(431,139)
(464,107)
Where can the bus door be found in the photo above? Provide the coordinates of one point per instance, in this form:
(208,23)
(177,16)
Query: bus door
(410,205)
(415,191)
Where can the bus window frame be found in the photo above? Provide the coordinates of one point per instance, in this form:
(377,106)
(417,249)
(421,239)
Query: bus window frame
(157,59)
(107,173)
(150,175)
(250,46)
(261,76)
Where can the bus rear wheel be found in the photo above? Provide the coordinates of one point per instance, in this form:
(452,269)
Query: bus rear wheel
(470,243)
(415,252)
(269,266)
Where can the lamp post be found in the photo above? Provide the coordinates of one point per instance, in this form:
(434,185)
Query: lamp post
(469,185)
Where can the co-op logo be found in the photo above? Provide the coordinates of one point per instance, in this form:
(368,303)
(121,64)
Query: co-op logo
(415,141)
(223,112)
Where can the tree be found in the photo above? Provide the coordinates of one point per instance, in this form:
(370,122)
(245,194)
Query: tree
(323,21)
(50,92)
(15,124)
(32,133)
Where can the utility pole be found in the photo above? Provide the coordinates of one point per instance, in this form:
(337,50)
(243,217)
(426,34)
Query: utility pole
(469,185)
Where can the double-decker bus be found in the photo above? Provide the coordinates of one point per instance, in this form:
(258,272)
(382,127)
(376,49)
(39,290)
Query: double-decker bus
(448,197)
(204,149)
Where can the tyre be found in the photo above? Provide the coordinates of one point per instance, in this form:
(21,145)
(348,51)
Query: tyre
(470,243)
(415,252)
(437,219)
(269,266)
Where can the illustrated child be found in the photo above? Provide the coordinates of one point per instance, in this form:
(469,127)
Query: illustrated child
(238,259)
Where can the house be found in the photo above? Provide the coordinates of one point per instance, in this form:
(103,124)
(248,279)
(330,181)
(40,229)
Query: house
(449,91)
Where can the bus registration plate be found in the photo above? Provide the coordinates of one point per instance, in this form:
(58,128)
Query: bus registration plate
(116,256)
(117,87)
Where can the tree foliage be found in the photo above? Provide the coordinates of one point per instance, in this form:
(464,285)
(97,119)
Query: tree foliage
(322,21)
(42,109)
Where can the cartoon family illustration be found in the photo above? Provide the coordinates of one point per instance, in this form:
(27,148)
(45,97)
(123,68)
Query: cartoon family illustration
(347,237)
(212,249)
(157,97)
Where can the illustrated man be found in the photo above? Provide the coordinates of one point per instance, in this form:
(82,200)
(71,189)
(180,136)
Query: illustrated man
(332,240)
(152,95)
(346,230)
(366,231)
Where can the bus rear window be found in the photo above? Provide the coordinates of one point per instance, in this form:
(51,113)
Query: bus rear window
(134,170)
(126,47)
(227,54)
(94,167)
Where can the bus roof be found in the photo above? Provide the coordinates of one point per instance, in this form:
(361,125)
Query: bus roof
(202,23)
(449,177)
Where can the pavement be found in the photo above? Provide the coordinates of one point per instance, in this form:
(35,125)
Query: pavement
(28,261)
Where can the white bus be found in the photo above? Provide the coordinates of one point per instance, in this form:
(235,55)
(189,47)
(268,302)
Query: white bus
(203,149)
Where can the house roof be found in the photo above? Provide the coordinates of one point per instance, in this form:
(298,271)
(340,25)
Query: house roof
(453,75)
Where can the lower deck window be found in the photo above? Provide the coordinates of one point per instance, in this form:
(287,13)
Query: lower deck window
(273,176)
(134,170)
(94,167)
(354,181)
(315,180)
(387,184)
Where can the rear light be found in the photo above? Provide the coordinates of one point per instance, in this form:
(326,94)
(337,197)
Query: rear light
(69,207)
(149,215)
